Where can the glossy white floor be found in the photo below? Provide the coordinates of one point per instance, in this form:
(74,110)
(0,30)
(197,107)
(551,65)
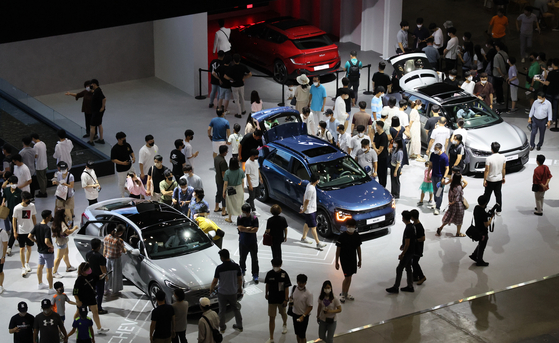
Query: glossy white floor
(523,246)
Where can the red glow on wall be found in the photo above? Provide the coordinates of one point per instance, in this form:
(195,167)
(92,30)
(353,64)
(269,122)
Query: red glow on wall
(249,6)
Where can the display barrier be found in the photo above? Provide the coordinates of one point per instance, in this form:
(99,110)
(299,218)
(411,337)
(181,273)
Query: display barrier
(368,91)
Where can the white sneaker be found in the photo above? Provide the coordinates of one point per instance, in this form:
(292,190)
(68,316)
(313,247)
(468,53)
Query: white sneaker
(498,213)
(42,286)
(2,291)
(102,331)
(431,205)
(9,251)
(23,271)
(342,298)
(270,340)
(256,213)
(320,245)
(349,297)
(56,275)
(51,291)
(27,267)
(436,212)
(304,240)
(284,329)
(71,269)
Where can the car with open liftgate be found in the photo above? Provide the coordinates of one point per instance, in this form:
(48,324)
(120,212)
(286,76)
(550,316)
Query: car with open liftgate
(166,250)
(419,81)
(344,191)
(287,47)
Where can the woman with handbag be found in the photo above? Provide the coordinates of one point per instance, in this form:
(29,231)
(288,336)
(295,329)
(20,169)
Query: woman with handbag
(276,228)
(84,292)
(233,189)
(64,190)
(328,307)
(455,212)
(60,232)
(302,93)
(540,183)
(113,248)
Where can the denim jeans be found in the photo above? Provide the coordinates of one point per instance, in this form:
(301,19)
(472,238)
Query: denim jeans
(214,93)
(326,331)
(244,250)
(438,199)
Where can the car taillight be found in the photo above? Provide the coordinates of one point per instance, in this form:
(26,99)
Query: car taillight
(85,218)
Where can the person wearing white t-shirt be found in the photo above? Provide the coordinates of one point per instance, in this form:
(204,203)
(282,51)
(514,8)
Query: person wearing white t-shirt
(147,154)
(221,39)
(40,164)
(309,208)
(355,142)
(22,172)
(340,112)
(23,221)
(344,138)
(404,119)
(3,248)
(451,49)
(494,175)
(90,184)
(461,131)
(234,140)
(188,150)
(254,179)
(468,85)
(308,118)
(63,149)
(441,134)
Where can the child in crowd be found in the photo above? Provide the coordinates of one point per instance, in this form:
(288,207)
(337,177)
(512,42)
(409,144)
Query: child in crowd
(251,126)
(427,185)
(255,102)
(83,325)
(59,300)
(234,140)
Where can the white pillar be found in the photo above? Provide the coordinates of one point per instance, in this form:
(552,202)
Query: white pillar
(180,48)
(380,22)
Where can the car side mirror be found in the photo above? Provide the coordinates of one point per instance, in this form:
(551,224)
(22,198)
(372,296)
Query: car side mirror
(135,252)
(211,234)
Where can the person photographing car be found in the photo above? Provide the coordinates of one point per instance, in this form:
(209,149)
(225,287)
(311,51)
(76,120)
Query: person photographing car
(482,221)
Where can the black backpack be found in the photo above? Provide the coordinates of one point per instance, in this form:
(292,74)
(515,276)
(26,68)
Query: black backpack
(218,337)
(353,72)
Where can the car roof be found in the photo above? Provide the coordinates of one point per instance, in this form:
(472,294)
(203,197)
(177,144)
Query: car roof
(311,149)
(294,28)
(443,92)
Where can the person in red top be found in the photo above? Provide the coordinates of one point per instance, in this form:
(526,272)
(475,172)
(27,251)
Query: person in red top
(540,182)
(498,26)
(484,90)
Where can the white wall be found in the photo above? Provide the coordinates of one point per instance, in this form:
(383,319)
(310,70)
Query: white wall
(350,21)
(180,48)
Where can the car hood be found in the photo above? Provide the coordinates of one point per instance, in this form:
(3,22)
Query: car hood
(509,136)
(359,197)
(194,270)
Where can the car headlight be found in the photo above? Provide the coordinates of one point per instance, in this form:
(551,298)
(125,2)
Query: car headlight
(525,145)
(480,152)
(393,203)
(342,216)
(172,285)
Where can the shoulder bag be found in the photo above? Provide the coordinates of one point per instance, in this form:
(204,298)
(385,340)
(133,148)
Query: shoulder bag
(149,186)
(290,307)
(4,212)
(268,239)
(473,232)
(62,191)
(217,336)
(95,180)
(535,188)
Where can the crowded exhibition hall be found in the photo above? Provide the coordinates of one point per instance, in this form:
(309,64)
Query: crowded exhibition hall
(260,171)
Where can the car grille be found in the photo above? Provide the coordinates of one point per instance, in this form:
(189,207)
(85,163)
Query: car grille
(362,225)
(200,293)
(374,208)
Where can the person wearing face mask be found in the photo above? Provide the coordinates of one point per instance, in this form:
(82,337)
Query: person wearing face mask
(468,84)
(277,293)
(247,225)
(156,174)
(439,163)
(48,325)
(367,158)
(41,234)
(59,300)
(180,306)
(11,197)
(23,222)
(182,195)
(87,95)
(355,142)
(361,118)
(432,53)
(123,157)
(113,248)
(380,145)
(552,86)
(420,34)
(21,324)
(540,116)
(406,257)
(65,190)
(348,253)
(167,187)
(328,307)
(317,98)
(451,79)
(60,233)
(396,159)
(98,264)
(84,293)
(145,159)
(90,184)
(302,301)
(484,90)
(308,118)
(456,152)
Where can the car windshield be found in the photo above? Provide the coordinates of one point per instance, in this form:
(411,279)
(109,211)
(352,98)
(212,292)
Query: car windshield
(342,172)
(474,112)
(411,64)
(312,42)
(174,238)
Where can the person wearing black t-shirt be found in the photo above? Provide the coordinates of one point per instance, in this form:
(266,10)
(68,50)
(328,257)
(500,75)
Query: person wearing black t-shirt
(237,74)
(214,64)
(84,293)
(348,250)
(408,249)
(177,158)
(380,146)
(381,79)
(482,220)
(162,327)
(98,101)
(21,325)
(431,123)
(156,174)
(41,234)
(48,325)
(123,156)
(250,141)
(277,293)
(276,226)
(224,84)
(419,242)
(98,264)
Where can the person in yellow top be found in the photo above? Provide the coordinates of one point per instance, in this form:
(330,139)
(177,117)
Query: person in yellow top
(208,225)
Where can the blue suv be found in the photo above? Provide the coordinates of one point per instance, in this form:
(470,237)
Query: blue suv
(345,191)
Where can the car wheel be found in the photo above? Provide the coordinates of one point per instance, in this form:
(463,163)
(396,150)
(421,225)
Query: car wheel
(264,195)
(323,224)
(153,289)
(280,72)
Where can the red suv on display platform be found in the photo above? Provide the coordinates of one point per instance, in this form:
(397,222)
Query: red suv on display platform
(287,47)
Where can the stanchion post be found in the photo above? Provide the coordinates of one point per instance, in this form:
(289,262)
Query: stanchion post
(200,96)
(554,117)
(368,91)
(282,103)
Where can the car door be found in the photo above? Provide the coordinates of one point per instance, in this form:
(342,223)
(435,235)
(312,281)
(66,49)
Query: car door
(296,184)
(253,43)
(136,266)
(276,168)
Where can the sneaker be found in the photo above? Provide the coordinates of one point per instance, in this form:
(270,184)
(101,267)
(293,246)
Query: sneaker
(304,240)
(284,329)
(420,203)
(420,159)
(256,213)
(421,281)
(349,297)
(211,106)
(91,143)
(498,213)
(51,291)
(2,291)
(472,257)
(27,267)
(238,116)
(431,204)
(71,269)
(342,298)
(482,264)
(41,195)
(9,251)
(407,289)
(255,279)
(320,245)
(102,311)
(436,212)
(23,271)
(100,141)
(102,331)
(236,327)
(86,135)
(42,286)
(270,340)
(538,213)
(393,290)
(244,112)
(57,275)
(222,330)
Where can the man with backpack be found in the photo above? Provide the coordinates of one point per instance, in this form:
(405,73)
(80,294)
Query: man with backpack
(352,69)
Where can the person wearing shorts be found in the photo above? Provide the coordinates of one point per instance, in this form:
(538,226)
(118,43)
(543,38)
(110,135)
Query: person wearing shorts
(309,209)
(348,249)
(225,93)
(98,110)
(218,131)
(23,221)
(3,249)
(41,234)
(277,294)
(302,300)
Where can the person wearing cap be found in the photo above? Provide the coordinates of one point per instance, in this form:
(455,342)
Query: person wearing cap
(23,222)
(83,325)
(41,234)
(254,179)
(65,190)
(90,183)
(123,157)
(208,225)
(21,324)
(332,124)
(317,98)
(207,323)
(48,325)
(228,280)
(63,149)
(162,328)
(302,93)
